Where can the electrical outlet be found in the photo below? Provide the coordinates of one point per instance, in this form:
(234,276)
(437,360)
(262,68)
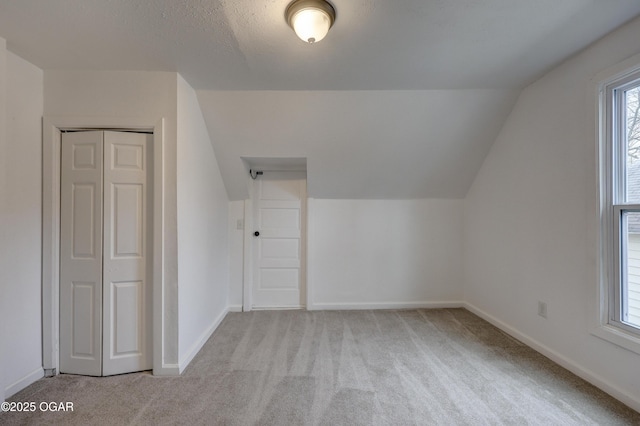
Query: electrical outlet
(542,309)
(240,224)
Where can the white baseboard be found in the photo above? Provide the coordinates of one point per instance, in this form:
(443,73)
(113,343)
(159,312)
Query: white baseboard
(25,381)
(235,308)
(167,370)
(278,308)
(195,348)
(578,370)
(383,305)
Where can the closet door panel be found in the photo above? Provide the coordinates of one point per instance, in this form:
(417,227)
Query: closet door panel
(127,289)
(81,253)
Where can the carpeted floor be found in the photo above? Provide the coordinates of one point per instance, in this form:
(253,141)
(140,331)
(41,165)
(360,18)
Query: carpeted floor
(425,367)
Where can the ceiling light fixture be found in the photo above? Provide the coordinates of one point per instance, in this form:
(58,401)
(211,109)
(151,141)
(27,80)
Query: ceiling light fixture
(310,19)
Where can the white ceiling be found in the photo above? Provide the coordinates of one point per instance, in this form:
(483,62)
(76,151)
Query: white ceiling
(375,44)
(402,99)
(359,144)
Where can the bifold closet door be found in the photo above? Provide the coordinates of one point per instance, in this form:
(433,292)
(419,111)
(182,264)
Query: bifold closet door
(81,253)
(126,274)
(105,288)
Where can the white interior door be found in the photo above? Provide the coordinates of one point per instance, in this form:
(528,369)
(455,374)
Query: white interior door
(81,254)
(279,249)
(105,291)
(126,287)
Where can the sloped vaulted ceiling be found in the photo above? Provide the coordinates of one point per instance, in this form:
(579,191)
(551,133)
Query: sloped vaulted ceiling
(360,144)
(401,100)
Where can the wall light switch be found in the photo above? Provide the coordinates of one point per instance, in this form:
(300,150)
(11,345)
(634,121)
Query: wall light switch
(240,224)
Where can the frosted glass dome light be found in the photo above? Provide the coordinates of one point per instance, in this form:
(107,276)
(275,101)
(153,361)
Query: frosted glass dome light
(310,19)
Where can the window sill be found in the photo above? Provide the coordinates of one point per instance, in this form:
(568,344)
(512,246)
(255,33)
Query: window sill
(618,337)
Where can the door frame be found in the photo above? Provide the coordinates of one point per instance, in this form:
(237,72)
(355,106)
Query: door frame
(247,281)
(52,128)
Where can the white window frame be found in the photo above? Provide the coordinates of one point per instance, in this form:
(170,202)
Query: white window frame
(611,176)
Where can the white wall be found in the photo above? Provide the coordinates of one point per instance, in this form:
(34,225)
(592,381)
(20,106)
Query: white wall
(4,227)
(203,261)
(21,96)
(366,254)
(530,221)
(385,253)
(125,95)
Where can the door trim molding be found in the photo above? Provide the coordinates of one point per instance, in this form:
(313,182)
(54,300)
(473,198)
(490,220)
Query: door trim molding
(247,281)
(309,253)
(51,143)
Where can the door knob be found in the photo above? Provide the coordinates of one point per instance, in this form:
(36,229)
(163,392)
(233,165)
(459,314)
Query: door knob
(257,233)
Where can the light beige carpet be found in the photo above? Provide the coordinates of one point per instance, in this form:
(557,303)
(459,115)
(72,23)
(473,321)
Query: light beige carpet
(423,367)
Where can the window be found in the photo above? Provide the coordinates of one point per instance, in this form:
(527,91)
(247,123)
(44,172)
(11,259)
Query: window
(620,202)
